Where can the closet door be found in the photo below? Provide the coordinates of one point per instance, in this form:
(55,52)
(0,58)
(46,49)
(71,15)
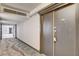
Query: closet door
(47,34)
(65,31)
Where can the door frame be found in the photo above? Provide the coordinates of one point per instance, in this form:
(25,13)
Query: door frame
(0,31)
(13,29)
(48,9)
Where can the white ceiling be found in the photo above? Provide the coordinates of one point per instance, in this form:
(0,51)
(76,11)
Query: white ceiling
(24,6)
(12,17)
(17,18)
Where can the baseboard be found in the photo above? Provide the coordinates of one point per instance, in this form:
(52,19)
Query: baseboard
(29,45)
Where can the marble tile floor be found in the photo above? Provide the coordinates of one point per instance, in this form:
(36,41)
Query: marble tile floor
(14,47)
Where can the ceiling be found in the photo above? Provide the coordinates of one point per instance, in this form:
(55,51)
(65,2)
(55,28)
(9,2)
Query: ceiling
(12,17)
(28,7)
(24,6)
(17,18)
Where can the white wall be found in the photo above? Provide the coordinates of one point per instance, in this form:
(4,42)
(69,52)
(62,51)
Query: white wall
(29,31)
(5,31)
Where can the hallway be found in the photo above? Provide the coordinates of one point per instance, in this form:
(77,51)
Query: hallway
(14,47)
(50,29)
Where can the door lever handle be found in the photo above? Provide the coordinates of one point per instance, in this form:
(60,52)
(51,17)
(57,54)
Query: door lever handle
(54,40)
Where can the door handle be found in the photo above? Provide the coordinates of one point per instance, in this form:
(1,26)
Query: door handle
(55,37)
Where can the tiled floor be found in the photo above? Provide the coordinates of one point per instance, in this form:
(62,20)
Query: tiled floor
(14,47)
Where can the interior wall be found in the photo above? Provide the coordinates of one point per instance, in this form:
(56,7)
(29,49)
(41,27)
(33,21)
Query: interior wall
(29,31)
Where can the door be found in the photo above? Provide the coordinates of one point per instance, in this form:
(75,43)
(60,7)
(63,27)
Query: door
(7,31)
(0,31)
(65,31)
(47,34)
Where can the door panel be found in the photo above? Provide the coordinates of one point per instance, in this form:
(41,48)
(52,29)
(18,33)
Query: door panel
(47,41)
(65,31)
(0,31)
